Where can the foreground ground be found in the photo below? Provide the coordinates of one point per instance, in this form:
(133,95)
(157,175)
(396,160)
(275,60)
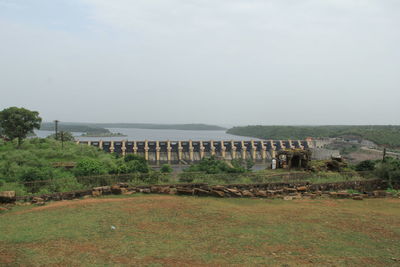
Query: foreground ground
(181,231)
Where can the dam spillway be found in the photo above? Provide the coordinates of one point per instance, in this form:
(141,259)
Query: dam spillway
(192,151)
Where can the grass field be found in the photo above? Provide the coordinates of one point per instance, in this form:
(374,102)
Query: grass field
(154,230)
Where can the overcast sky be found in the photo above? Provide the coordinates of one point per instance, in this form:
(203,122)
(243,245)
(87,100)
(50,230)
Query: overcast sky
(227,62)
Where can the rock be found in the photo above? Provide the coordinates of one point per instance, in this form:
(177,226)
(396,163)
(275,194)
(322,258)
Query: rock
(290,190)
(116,190)
(200,192)
(233,192)
(97,193)
(106,190)
(247,193)
(124,190)
(217,193)
(287,198)
(261,193)
(86,197)
(184,191)
(165,190)
(343,194)
(155,189)
(359,197)
(129,192)
(7,197)
(123,185)
(145,190)
(37,200)
(302,188)
(298,196)
(219,188)
(333,194)
(379,193)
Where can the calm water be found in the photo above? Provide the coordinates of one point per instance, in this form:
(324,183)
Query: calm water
(157,135)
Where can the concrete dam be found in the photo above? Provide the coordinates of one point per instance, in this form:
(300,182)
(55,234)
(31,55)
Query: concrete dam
(192,151)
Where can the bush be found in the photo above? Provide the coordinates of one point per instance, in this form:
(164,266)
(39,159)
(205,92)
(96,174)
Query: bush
(88,167)
(366,165)
(166,168)
(389,170)
(213,166)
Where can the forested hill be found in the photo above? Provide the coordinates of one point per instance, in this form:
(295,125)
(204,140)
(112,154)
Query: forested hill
(101,127)
(193,126)
(381,135)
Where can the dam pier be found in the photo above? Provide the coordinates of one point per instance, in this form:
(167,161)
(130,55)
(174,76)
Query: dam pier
(191,151)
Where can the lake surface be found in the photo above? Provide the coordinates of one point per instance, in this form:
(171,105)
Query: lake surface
(157,135)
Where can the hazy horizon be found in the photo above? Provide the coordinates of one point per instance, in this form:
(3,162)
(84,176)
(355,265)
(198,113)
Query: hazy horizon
(236,62)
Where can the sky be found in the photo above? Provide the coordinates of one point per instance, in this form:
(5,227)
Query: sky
(225,62)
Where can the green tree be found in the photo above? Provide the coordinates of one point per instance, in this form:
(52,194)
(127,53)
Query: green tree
(17,123)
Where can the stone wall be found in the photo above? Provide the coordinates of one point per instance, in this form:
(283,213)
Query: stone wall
(287,191)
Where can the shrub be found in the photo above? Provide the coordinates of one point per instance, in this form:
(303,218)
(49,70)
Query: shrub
(89,166)
(366,165)
(389,170)
(166,168)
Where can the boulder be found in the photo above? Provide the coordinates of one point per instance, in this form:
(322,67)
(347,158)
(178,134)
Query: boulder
(145,190)
(106,190)
(200,192)
(7,197)
(184,191)
(247,193)
(217,193)
(96,193)
(37,200)
(287,198)
(165,190)
(302,188)
(155,189)
(343,194)
(379,193)
(290,190)
(116,190)
(261,193)
(233,192)
(359,197)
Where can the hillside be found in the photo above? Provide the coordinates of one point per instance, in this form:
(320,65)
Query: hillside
(379,134)
(96,128)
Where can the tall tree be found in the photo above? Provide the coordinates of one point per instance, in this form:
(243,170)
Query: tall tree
(18,122)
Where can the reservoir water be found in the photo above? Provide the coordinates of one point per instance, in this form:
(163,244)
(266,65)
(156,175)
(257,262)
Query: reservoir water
(157,135)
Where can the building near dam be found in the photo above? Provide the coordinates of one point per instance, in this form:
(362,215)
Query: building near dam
(192,151)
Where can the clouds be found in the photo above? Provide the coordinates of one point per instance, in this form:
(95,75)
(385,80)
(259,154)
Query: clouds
(236,61)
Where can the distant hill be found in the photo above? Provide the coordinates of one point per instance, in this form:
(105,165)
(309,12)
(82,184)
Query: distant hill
(189,127)
(388,135)
(49,126)
(94,128)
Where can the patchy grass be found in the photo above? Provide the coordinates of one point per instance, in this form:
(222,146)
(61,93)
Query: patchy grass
(181,231)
